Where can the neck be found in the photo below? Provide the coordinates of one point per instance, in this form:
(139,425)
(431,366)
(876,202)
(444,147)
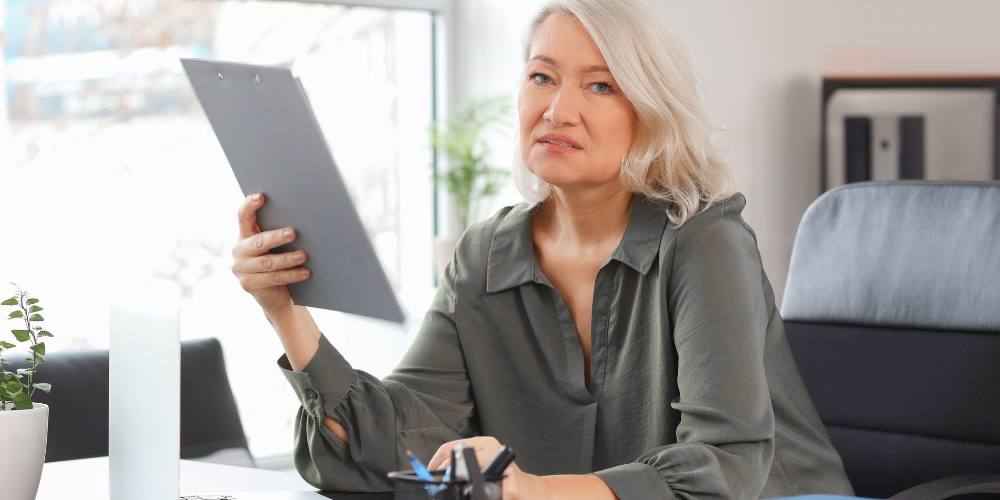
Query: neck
(586,218)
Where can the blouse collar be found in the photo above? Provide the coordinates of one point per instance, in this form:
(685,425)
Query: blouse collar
(512,258)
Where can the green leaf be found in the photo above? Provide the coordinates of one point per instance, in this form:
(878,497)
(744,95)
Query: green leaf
(36,317)
(21,335)
(40,358)
(16,314)
(13,386)
(9,302)
(6,345)
(44,333)
(22,402)
(27,360)
(34,309)
(32,301)
(44,387)
(39,348)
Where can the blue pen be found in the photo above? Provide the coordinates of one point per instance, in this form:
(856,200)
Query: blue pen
(421,472)
(435,489)
(418,468)
(444,480)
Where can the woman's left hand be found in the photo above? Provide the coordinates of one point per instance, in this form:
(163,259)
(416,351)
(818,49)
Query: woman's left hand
(517,485)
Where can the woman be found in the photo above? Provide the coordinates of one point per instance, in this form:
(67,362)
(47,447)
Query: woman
(620,335)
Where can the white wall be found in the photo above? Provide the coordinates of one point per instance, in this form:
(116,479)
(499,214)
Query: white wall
(762,62)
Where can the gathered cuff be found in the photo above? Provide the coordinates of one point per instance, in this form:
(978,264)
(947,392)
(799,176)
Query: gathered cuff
(323,384)
(636,481)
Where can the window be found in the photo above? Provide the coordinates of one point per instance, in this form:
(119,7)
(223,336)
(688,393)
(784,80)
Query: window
(114,184)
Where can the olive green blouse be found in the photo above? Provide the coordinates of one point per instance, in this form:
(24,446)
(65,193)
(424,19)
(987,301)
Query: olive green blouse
(693,393)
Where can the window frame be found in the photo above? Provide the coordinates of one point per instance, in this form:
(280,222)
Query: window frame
(442,78)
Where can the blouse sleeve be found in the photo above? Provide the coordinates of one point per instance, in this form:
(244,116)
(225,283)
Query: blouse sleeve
(424,403)
(725,438)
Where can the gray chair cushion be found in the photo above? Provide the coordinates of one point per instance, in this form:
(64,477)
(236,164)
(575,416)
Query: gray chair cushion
(913,253)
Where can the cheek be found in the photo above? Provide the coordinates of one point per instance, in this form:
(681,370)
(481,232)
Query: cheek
(620,130)
(613,139)
(529,111)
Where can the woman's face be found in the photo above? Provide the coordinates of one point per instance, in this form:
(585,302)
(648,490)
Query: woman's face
(576,126)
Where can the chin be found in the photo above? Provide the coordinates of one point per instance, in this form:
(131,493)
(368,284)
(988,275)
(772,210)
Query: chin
(560,174)
(555,173)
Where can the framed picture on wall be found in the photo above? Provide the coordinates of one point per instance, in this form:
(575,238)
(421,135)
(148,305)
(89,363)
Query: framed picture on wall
(883,129)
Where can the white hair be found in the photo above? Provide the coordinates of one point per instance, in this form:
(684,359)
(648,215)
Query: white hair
(672,159)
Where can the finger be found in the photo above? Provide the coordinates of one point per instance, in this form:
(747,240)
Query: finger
(261,243)
(442,455)
(512,481)
(484,456)
(482,445)
(262,281)
(267,262)
(248,215)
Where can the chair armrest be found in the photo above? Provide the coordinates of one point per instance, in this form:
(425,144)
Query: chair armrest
(951,486)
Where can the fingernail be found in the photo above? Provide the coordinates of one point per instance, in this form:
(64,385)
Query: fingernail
(300,256)
(287,233)
(255,197)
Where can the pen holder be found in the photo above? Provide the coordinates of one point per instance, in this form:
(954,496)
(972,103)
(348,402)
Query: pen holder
(407,486)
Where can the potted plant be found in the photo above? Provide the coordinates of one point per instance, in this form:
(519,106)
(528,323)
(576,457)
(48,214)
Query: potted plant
(469,179)
(23,424)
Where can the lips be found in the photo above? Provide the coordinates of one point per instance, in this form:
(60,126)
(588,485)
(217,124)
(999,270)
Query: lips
(560,140)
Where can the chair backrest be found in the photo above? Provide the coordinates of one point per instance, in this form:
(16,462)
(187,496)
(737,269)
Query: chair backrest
(78,403)
(892,311)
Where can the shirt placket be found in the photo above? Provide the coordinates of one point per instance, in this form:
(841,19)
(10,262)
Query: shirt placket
(603,291)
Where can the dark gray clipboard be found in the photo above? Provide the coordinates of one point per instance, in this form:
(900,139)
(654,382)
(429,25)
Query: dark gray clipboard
(274,145)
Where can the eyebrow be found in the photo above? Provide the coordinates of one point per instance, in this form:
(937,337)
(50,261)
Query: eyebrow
(596,68)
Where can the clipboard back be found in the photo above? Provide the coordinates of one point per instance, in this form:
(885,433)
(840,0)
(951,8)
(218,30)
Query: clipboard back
(274,145)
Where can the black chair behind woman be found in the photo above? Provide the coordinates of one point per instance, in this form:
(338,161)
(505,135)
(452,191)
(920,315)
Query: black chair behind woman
(892,311)
(78,405)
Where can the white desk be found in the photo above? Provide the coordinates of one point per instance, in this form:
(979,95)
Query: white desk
(88,480)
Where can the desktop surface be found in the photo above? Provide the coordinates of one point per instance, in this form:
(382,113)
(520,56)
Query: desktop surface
(345,495)
(87,479)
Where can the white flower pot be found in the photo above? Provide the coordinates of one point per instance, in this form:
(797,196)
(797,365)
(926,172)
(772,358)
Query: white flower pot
(23,434)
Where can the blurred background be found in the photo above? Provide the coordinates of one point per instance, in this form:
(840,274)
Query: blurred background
(112,182)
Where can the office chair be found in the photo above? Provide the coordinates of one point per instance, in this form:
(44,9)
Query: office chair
(78,405)
(892,312)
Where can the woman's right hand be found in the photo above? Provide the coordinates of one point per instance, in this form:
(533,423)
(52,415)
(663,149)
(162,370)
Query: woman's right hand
(262,274)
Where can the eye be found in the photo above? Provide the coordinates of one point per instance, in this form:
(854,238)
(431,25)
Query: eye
(541,78)
(600,87)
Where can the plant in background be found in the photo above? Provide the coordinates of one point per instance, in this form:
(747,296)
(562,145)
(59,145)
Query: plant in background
(469,178)
(19,385)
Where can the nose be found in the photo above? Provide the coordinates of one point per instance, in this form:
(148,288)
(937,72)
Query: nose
(564,108)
